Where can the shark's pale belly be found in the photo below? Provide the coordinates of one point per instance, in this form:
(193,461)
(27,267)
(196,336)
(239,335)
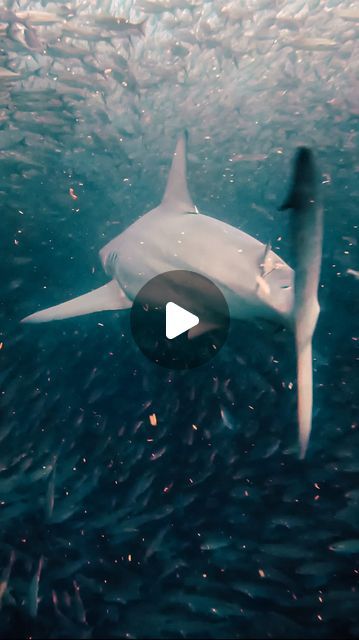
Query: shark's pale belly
(229,257)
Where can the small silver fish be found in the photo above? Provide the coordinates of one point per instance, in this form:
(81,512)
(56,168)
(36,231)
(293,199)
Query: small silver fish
(33,595)
(5,576)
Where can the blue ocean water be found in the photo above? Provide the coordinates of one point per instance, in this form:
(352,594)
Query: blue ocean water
(137,501)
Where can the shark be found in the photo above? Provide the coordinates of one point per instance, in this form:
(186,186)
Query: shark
(306,225)
(255,281)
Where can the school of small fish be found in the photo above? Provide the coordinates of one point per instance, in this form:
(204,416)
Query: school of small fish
(136,503)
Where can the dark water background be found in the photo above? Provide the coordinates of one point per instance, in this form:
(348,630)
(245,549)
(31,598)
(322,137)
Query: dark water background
(206,524)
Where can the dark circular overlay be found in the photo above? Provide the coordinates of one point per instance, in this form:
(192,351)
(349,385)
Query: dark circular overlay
(197,295)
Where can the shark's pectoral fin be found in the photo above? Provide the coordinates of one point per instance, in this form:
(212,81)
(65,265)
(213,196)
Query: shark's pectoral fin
(109,297)
(176,194)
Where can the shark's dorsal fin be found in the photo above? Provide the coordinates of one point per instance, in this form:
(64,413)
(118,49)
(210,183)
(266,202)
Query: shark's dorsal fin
(176,194)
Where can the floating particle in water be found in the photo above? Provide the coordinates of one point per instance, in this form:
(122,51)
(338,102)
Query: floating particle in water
(73,194)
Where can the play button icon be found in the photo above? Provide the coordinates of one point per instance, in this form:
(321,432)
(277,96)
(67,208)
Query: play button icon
(179,319)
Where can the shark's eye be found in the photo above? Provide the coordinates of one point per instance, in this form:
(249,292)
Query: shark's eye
(286,286)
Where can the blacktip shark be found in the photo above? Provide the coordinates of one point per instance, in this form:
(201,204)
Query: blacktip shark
(255,281)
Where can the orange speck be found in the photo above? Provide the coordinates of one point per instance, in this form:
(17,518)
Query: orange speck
(153,420)
(261,573)
(1,345)
(129,557)
(73,194)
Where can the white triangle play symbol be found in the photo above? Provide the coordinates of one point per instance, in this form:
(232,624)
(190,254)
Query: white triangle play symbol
(178,320)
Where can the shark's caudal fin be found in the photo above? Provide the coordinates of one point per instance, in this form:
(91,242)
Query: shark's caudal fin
(108,297)
(307,234)
(176,194)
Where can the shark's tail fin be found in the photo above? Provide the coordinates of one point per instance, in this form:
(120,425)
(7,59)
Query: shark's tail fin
(304,389)
(307,232)
(108,297)
(305,320)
